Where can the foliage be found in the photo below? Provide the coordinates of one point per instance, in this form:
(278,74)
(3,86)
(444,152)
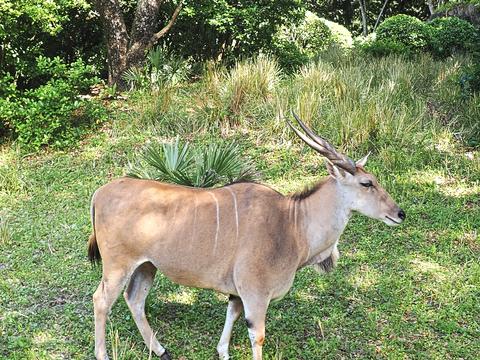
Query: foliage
(221,29)
(216,164)
(163,68)
(289,56)
(294,45)
(313,35)
(8,92)
(340,34)
(33,28)
(52,114)
(355,100)
(470,80)
(406,30)
(404,35)
(43,68)
(348,14)
(379,48)
(451,35)
(449,5)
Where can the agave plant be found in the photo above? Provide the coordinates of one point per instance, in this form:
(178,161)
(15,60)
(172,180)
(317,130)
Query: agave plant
(216,164)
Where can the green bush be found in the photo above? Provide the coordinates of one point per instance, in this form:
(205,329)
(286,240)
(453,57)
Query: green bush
(295,45)
(289,56)
(8,92)
(340,34)
(163,68)
(379,48)
(470,80)
(314,35)
(406,30)
(53,113)
(451,35)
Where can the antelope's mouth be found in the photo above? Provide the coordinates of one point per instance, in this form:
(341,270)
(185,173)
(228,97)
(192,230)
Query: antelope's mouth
(395,222)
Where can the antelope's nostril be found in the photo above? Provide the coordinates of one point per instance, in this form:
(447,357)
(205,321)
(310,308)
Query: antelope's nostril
(402,215)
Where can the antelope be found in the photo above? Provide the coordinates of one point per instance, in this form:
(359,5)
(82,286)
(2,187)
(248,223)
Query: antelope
(245,240)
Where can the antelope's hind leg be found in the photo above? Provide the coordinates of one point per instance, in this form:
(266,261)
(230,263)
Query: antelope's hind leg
(135,295)
(106,294)
(234,310)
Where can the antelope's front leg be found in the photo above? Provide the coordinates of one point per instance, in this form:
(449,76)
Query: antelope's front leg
(255,313)
(234,310)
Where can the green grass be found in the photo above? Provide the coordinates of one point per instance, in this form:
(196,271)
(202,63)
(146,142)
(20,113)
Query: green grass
(406,292)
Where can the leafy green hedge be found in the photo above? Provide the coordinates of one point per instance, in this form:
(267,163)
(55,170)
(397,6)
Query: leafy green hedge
(407,35)
(405,30)
(451,34)
(295,45)
(53,113)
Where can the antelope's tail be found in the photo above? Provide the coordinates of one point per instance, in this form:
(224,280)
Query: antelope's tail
(93,250)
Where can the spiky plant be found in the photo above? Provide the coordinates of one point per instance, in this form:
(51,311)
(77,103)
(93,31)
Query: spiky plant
(216,164)
(136,78)
(166,68)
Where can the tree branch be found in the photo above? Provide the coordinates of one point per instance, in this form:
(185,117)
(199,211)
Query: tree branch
(431,8)
(145,21)
(380,15)
(166,28)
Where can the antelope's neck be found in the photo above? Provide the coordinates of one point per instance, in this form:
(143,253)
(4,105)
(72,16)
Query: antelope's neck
(323,217)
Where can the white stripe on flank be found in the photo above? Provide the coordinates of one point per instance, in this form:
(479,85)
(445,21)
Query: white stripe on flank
(218,222)
(236,210)
(295,215)
(194,219)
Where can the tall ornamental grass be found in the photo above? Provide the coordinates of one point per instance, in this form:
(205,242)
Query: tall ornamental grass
(354,101)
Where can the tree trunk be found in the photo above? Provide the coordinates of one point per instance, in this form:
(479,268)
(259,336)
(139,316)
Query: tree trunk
(348,13)
(363,12)
(116,37)
(124,50)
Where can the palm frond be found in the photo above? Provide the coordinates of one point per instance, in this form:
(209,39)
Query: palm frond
(171,162)
(158,56)
(214,165)
(135,77)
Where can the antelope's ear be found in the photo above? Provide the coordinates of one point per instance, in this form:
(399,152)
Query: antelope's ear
(334,171)
(363,161)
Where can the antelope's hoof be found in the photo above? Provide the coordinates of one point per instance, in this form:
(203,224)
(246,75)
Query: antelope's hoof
(165,356)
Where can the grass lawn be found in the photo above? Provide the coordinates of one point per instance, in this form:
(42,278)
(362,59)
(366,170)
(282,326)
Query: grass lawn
(407,292)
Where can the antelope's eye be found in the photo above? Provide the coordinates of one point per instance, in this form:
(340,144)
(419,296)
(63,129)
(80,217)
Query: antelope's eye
(367,184)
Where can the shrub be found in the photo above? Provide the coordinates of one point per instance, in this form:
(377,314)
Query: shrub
(8,92)
(340,34)
(451,34)
(177,163)
(295,45)
(379,48)
(470,80)
(406,30)
(314,35)
(289,56)
(53,113)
